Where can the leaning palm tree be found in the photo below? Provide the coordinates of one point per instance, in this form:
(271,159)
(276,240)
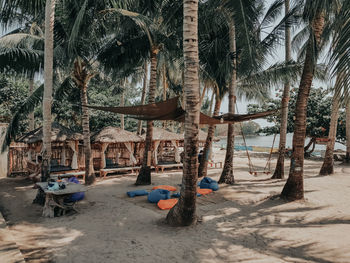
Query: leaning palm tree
(314,13)
(328,161)
(184,212)
(279,171)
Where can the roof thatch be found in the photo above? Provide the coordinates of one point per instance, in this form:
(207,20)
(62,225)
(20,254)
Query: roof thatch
(115,135)
(59,133)
(160,134)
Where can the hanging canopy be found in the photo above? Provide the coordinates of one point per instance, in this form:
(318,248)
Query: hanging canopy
(171,110)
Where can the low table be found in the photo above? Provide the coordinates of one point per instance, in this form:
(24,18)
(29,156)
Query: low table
(56,198)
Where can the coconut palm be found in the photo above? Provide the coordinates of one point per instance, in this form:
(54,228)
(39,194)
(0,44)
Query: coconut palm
(315,13)
(184,212)
(279,170)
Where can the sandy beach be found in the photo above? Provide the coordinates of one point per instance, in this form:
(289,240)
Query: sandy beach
(245,222)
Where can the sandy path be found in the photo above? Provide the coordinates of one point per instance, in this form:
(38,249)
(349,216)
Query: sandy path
(241,223)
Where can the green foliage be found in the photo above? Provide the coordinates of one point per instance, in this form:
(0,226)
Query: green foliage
(13,93)
(318,114)
(250,128)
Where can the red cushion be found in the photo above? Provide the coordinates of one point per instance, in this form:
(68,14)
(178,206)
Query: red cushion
(167,204)
(165,187)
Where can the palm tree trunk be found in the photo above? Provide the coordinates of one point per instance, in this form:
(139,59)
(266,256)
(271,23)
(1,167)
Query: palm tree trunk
(47,97)
(328,162)
(48,83)
(165,87)
(227,172)
(143,95)
(31,115)
(184,212)
(89,167)
(347,158)
(144,177)
(294,187)
(203,165)
(279,171)
(122,124)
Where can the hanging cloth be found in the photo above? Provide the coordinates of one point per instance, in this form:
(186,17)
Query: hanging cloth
(177,154)
(129,147)
(156,145)
(169,110)
(103,154)
(63,155)
(74,163)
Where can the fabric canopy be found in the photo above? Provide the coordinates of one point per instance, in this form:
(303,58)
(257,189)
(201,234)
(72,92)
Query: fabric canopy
(170,110)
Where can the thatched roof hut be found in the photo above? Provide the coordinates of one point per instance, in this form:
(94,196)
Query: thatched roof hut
(114,147)
(59,133)
(160,134)
(165,146)
(66,153)
(115,135)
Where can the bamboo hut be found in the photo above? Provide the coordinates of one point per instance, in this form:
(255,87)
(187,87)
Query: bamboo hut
(67,150)
(114,147)
(165,148)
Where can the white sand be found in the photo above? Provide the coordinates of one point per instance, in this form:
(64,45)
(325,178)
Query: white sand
(241,223)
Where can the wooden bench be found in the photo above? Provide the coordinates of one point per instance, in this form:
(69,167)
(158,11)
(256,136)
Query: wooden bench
(215,164)
(171,165)
(105,171)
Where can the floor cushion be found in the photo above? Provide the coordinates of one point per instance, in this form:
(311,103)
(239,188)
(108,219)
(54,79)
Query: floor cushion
(137,193)
(158,194)
(208,183)
(165,187)
(204,191)
(167,204)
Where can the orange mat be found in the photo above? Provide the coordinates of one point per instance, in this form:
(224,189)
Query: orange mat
(204,191)
(167,204)
(165,187)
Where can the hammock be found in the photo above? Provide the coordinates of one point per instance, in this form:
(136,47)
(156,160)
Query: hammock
(171,110)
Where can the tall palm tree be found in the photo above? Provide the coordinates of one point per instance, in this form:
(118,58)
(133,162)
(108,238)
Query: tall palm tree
(48,87)
(279,171)
(347,158)
(314,13)
(184,212)
(328,161)
(227,172)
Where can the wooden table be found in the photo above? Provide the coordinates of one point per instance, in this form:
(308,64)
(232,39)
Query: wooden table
(56,198)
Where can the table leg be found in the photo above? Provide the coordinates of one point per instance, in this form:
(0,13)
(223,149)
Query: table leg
(48,210)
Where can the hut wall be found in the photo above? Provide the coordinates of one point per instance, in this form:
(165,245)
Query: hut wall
(166,152)
(17,159)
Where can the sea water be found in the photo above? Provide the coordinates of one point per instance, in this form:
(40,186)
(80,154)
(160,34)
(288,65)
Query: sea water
(266,141)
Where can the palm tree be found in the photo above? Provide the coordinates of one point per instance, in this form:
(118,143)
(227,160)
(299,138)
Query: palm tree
(203,166)
(184,212)
(279,171)
(314,12)
(143,95)
(347,157)
(48,87)
(328,161)
(227,173)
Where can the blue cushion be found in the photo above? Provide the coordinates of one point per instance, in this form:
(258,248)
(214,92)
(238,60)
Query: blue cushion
(177,195)
(208,183)
(76,196)
(137,193)
(158,194)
